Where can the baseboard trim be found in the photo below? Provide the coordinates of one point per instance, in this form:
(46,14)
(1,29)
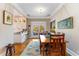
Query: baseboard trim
(71,52)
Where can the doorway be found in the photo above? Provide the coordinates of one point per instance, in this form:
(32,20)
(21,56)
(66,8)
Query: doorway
(37,27)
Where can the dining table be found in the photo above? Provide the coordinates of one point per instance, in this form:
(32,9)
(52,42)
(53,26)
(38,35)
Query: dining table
(45,41)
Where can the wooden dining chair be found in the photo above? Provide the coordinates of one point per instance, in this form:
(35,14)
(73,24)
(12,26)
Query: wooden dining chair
(43,45)
(56,43)
(57,36)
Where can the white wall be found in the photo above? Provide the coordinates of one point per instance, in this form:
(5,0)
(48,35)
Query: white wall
(6,31)
(72,35)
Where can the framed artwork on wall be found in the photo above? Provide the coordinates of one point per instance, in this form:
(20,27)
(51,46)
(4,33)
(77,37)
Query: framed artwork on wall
(66,23)
(52,26)
(7,18)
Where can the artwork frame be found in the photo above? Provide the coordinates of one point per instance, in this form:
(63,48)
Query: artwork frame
(52,26)
(7,18)
(65,23)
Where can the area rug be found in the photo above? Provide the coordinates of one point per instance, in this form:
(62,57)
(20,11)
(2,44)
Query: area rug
(32,49)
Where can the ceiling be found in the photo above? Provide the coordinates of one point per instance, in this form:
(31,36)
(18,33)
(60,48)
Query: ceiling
(38,9)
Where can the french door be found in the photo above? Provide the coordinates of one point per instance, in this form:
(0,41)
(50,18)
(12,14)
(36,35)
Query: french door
(37,27)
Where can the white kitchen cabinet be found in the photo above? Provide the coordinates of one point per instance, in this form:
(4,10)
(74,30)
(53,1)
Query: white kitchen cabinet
(20,37)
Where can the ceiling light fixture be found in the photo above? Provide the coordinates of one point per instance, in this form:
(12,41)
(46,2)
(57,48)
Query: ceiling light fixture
(40,10)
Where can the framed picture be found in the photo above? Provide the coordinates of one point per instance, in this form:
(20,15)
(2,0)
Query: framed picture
(52,26)
(66,23)
(7,18)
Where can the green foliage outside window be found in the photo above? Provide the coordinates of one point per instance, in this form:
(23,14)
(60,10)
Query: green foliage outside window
(41,28)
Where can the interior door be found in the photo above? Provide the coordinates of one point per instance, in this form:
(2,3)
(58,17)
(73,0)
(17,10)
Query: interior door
(37,27)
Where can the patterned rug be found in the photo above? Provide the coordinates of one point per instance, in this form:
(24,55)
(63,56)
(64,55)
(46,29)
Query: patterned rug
(32,49)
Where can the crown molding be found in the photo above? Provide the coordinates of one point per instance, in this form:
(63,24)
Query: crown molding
(57,9)
(18,9)
(38,17)
(21,11)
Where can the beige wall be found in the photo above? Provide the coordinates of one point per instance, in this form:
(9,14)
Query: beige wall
(72,35)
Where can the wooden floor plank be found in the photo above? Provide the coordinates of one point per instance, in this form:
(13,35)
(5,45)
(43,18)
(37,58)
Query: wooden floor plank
(20,47)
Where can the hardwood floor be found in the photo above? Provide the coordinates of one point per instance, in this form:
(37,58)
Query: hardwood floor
(19,47)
